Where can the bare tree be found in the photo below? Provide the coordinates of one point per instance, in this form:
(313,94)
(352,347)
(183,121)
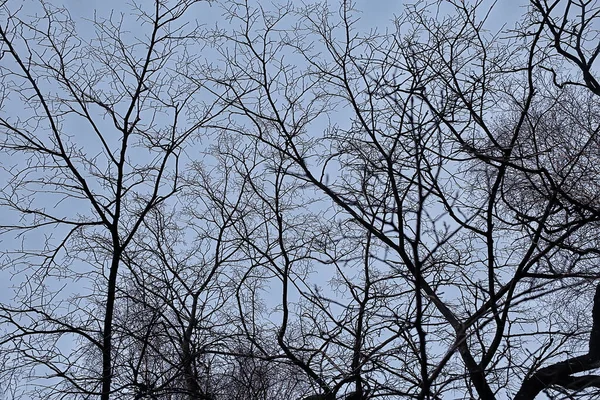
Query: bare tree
(371,214)
(93,131)
(438,143)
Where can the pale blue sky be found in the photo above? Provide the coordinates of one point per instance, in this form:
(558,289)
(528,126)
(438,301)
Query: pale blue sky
(375,13)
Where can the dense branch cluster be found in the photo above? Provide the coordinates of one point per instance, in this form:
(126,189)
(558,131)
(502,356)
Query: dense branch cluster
(292,204)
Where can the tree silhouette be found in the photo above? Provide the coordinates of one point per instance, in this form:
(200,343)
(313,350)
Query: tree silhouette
(290,204)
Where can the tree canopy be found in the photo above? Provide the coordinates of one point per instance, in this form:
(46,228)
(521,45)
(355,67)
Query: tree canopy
(288,203)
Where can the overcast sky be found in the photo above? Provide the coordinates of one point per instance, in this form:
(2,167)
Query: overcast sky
(374,14)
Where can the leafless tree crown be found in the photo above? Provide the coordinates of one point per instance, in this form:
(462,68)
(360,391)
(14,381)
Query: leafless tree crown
(239,200)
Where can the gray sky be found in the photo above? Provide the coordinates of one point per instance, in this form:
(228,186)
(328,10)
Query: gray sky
(375,14)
